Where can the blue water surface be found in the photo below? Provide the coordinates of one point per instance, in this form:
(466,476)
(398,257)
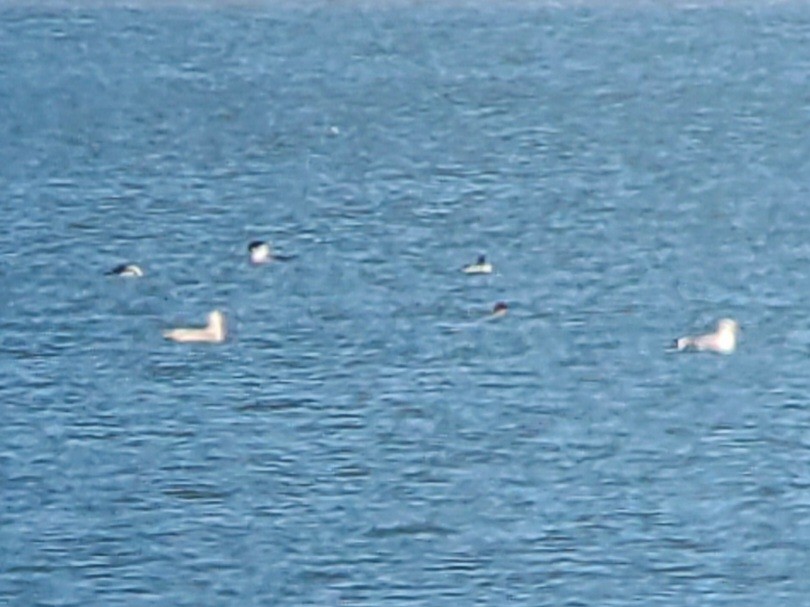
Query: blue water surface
(367,436)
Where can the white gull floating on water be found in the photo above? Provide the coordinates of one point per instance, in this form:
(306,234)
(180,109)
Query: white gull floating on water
(722,341)
(214,332)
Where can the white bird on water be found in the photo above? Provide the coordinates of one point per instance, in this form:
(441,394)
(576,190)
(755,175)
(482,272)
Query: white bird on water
(213,333)
(722,341)
(481,266)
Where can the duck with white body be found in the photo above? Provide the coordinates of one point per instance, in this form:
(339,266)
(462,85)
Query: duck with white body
(127,270)
(722,341)
(481,266)
(214,332)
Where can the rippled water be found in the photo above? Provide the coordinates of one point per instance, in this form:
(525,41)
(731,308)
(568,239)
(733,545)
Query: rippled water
(367,436)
